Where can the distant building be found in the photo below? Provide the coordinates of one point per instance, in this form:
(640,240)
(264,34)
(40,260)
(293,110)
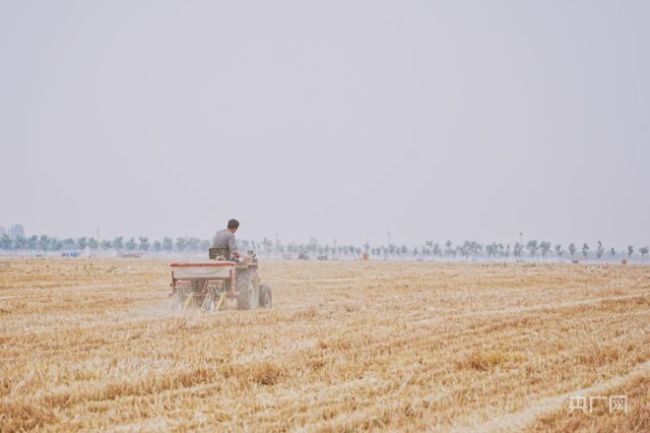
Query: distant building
(16,230)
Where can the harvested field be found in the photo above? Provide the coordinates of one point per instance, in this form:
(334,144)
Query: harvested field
(89,345)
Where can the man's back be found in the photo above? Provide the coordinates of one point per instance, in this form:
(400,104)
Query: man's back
(225,239)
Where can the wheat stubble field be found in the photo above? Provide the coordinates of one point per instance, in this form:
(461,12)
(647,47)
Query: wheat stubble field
(89,345)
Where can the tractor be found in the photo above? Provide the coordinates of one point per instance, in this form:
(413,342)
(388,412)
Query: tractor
(205,285)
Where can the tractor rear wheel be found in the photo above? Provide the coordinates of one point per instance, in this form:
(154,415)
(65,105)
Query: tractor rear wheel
(248,286)
(265,296)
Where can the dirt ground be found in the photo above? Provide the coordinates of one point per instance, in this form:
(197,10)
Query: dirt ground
(90,345)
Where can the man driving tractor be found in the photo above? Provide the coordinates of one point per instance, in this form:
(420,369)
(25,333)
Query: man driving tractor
(224,242)
(227,274)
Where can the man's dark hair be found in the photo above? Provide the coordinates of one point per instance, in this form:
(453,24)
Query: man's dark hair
(233,224)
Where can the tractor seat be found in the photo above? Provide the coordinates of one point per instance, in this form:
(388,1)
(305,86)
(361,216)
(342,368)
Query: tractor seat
(215,253)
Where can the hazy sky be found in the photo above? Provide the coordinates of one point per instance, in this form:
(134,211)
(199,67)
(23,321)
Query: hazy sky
(348,119)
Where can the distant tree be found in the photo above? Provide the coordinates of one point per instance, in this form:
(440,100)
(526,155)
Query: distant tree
(448,248)
(558,250)
(118,243)
(6,243)
(244,245)
(612,252)
(544,246)
(585,250)
(267,245)
(93,244)
(157,246)
(181,244)
(144,243)
(193,244)
(68,244)
(43,243)
(20,243)
(32,243)
(55,244)
(532,246)
(572,249)
(464,249)
(106,244)
(630,251)
(81,243)
(131,244)
(16,231)
(600,250)
(167,244)
(643,251)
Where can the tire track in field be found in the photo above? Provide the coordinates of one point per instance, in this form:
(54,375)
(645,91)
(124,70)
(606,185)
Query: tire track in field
(555,306)
(103,289)
(519,420)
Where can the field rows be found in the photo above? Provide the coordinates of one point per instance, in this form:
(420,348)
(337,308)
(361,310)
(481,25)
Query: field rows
(349,346)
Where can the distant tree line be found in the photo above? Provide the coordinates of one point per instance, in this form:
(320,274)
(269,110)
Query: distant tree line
(532,249)
(140,244)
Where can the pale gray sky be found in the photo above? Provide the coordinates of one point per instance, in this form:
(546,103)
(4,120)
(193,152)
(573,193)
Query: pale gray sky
(348,119)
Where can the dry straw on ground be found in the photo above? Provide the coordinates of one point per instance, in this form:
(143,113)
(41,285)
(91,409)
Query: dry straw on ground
(89,345)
